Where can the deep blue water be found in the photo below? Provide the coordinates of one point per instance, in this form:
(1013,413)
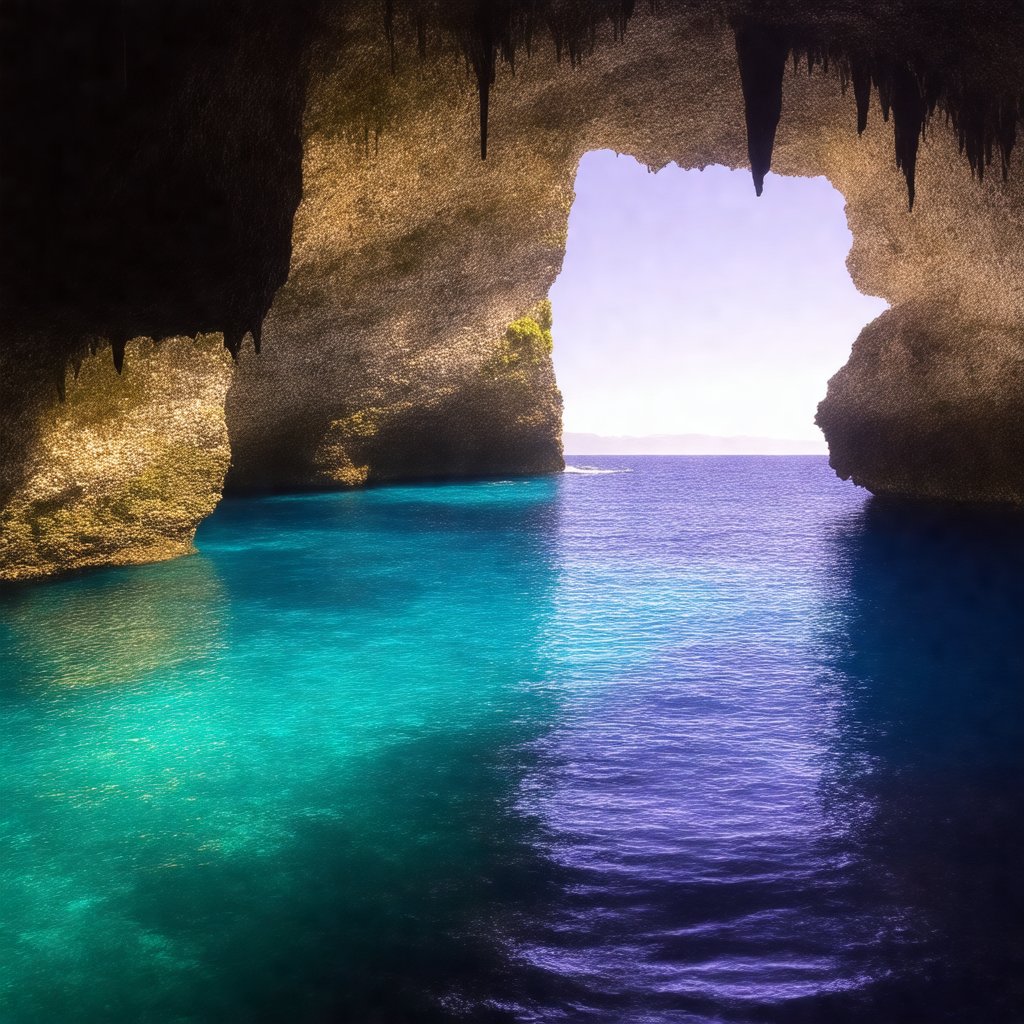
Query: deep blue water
(708,740)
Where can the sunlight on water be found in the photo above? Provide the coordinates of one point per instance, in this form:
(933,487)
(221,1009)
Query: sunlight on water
(709,740)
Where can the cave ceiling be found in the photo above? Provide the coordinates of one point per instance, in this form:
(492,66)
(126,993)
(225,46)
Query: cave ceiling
(152,157)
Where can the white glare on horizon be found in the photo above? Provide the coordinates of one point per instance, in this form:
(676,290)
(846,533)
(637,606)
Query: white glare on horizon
(687,305)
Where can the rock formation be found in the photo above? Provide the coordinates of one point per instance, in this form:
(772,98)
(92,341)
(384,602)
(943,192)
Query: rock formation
(386,355)
(124,468)
(929,406)
(401,345)
(411,254)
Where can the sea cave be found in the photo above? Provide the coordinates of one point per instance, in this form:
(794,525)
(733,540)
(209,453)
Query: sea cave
(277,286)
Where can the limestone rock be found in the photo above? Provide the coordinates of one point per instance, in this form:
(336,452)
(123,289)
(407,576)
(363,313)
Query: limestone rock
(411,255)
(125,468)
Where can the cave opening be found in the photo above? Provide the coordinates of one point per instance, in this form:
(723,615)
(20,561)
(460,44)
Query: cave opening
(693,317)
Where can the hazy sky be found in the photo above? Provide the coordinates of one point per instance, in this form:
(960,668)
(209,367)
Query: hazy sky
(688,305)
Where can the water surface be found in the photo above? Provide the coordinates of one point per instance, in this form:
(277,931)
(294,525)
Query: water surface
(708,740)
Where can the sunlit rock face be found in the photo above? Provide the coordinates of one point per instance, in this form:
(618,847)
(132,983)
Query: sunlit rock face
(385,356)
(125,468)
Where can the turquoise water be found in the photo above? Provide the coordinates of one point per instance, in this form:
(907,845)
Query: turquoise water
(704,740)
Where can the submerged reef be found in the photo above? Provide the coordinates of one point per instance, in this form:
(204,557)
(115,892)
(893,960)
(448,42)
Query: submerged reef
(310,176)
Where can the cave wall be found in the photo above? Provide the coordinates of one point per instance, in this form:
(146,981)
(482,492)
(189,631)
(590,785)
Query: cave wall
(153,187)
(150,168)
(384,356)
(125,467)
(929,405)
(412,255)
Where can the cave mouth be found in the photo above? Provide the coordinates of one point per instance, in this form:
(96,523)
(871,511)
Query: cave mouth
(693,317)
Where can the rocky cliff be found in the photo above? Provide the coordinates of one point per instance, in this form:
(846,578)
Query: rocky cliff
(210,152)
(411,254)
(149,173)
(386,354)
(929,406)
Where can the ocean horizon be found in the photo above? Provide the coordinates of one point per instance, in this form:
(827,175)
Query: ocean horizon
(583,444)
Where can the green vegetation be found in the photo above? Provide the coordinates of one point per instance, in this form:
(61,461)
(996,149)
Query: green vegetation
(527,341)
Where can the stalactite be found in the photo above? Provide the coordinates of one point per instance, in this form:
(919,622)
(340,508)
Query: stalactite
(908,112)
(882,76)
(933,90)
(484,80)
(148,209)
(420,19)
(983,129)
(1006,128)
(117,346)
(481,45)
(762,57)
(860,74)
(233,341)
(971,134)
(620,19)
(389,31)
(491,29)
(918,66)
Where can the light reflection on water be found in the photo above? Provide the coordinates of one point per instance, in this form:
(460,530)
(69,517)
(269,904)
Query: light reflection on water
(712,740)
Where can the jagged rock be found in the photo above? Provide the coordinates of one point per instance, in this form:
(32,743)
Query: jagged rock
(411,254)
(410,260)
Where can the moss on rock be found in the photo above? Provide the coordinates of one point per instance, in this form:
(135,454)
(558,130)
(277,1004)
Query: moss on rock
(528,340)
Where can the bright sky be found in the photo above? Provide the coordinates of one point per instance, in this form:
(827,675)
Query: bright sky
(688,305)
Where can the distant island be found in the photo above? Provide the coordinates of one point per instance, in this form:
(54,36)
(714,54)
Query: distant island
(687,444)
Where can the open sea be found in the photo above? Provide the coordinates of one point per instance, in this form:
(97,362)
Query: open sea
(696,740)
